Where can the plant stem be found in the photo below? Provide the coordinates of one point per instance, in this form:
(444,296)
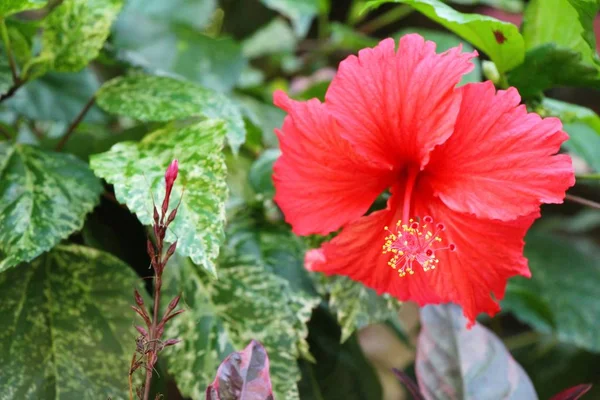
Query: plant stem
(581,200)
(588,176)
(521,340)
(387,18)
(74,124)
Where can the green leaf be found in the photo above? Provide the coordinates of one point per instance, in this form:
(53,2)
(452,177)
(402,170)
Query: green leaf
(9,7)
(246,302)
(58,97)
(264,117)
(300,12)
(136,169)
(154,98)
(195,13)
(344,37)
(501,41)
(454,362)
(44,197)
(355,305)
(571,297)
(275,37)
(512,6)
(75,31)
(261,173)
(336,362)
(565,23)
(446,41)
(67,326)
(552,66)
(214,63)
(583,127)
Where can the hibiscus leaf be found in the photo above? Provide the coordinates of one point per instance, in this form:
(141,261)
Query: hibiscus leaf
(246,302)
(154,98)
(44,197)
(501,41)
(136,169)
(583,127)
(454,362)
(300,12)
(245,372)
(66,326)
(58,97)
(355,305)
(9,7)
(75,31)
(570,297)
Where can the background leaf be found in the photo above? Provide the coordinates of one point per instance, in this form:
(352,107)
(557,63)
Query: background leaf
(153,98)
(456,363)
(479,30)
(137,172)
(75,31)
(300,12)
(66,326)
(570,296)
(44,197)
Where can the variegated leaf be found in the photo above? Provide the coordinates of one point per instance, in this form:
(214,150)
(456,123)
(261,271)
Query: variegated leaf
(246,302)
(136,169)
(354,304)
(75,32)
(67,329)
(44,197)
(155,98)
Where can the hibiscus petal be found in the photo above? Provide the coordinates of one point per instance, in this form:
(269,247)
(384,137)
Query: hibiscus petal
(500,161)
(320,181)
(396,106)
(357,253)
(487,253)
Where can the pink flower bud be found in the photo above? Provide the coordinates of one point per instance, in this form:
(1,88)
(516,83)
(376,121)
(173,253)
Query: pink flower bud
(171,173)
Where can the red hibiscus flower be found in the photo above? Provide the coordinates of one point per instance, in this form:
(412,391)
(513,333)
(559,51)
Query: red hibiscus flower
(467,169)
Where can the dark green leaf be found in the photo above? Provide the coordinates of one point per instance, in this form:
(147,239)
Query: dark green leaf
(75,31)
(454,362)
(154,98)
(246,302)
(58,97)
(501,41)
(571,297)
(336,362)
(8,7)
(344,37)
(583,127)
(265,117)
(300,12)
(243,375)
(512,6)
(66,326)
(275,37)
(552,66)
(261,173)
(355,305)
(136,169)
(44,197)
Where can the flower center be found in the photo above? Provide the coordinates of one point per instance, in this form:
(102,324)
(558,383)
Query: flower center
(414,242)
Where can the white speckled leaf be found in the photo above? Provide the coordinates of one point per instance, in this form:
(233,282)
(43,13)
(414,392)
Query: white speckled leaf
(66,327)
(246,302)
(76,30)
(44,197)
(137,168)
(156,98)
(8,7)
(456,363)
(354,304)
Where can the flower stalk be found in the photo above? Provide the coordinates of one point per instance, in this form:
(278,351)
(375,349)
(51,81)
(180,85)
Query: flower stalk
(149,344)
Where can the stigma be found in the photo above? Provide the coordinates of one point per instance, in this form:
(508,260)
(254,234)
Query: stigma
(415,243)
